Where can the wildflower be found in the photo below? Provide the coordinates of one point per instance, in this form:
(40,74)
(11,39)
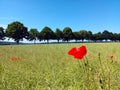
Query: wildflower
(111,57)
(14,58)
(81,52)
(72,51)
(78,53)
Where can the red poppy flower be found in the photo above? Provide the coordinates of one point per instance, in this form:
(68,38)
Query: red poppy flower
(78,53)
(81,52)
(14,59)
(72,51)
(111,57)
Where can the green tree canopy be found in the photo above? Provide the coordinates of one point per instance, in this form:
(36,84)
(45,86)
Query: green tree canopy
(59,34)
(97,37)
(89,35)
(17,31)
(67,34)
(47,34)
(76,36)
(2,34)
(106,35)
(83,34)
(33,34)
(118,37)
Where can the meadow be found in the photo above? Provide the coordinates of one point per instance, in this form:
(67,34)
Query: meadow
(49,67)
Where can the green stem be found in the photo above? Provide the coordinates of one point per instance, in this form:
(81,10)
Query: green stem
(99,58)
(86,61)
(109,82)
(86,65)
(79,64)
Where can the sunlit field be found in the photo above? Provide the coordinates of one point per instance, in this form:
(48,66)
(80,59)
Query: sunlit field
(49,67)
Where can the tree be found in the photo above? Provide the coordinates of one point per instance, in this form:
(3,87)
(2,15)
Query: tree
(58,34)
(118,37)
(112,36)
(47,34)
(2,34)
(89,36)
(40,36)
(106,35)
(76,36)
(67,34)
(83,34)
(97,37)
(17,31)
(33,34)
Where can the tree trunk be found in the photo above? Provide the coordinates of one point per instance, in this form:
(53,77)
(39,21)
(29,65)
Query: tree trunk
(48,41)
(58,40)
(67,41)
(82,40)
(76,41)
(17,42)
(34,41)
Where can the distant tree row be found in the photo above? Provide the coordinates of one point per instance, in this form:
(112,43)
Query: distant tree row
(17,31)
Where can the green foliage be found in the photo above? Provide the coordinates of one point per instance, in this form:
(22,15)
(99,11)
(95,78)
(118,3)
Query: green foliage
(106,35)
(89,35)
(47,34)
(83,34)
(2,34)
(97,36)
(33,34)
(67,34)
(17,31)
(117,36)
(76,36)
(59,34)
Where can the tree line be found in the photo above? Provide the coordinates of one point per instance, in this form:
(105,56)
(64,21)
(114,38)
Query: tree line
(17,31)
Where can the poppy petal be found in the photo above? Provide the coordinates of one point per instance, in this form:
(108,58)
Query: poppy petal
(81,52)
(78,53)
(78,56)
(72,51)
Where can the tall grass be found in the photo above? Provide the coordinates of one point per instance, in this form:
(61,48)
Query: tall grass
(48,67)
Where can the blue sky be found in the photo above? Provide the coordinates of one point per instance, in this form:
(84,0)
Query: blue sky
(93,15)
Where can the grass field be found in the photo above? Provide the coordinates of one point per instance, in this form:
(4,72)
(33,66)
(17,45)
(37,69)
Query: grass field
(49,67)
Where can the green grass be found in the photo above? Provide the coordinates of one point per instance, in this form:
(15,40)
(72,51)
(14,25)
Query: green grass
(49,67)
